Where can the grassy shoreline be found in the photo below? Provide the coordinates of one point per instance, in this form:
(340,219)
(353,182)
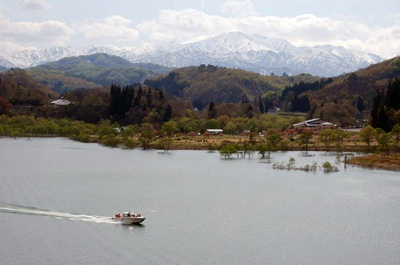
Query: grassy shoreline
(391,162)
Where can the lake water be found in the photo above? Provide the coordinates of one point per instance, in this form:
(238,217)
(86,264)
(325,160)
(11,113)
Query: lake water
(56,197)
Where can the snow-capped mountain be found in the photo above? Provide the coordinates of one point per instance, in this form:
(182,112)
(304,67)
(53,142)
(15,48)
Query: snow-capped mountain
(237,50)
(5,63)
(29,58)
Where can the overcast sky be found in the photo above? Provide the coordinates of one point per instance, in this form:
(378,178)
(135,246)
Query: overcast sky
(371,26)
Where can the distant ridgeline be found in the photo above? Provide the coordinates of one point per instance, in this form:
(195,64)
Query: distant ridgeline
(93,71)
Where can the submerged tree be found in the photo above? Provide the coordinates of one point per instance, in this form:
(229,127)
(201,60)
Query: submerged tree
(228,150)
(262,148)
(165,143)
(305,137)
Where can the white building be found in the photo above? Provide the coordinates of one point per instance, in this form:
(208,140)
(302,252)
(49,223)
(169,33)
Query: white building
(60,102)
(314,123)
(215,131)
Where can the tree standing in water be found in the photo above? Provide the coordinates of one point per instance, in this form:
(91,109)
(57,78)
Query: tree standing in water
(305,137)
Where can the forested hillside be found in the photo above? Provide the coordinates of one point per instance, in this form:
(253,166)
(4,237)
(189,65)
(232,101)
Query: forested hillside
(135,105)
(236,93)
(344,98)
(204,84)
(59,81)
(96,69)
(20,88)
(362,83)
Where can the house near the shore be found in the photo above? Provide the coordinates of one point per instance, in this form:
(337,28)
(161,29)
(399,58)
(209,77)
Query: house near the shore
(215,131)
(314,123)
(60,102)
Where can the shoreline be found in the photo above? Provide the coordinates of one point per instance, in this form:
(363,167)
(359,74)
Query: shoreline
(367,160)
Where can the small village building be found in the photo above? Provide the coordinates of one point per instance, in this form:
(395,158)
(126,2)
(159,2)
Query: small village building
(314,123)
(245,133)
(215,131)
(60,102)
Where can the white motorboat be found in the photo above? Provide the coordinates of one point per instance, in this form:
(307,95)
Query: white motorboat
(129,218)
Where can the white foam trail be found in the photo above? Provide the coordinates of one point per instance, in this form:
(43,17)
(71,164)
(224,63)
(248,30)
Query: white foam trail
(58,215)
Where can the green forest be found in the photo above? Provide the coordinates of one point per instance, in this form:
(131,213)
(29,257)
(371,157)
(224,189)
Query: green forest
(190,100)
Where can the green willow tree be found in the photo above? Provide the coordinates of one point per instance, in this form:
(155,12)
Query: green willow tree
(339,136)
(325,136)
(165,144)
(146,135)
(367,135)
(305,138)
(384,143)
(396,136)
(169,128)
(228,150)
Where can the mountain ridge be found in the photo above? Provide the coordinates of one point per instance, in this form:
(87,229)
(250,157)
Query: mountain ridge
(203,84)
(233,49)
(89,71)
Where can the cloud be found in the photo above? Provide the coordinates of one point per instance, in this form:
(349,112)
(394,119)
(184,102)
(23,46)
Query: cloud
(25,33)
(182,25)
(34,4)
(113,28)
(188,25)
(240,8)
(303,30)
(9,47)
(21,35)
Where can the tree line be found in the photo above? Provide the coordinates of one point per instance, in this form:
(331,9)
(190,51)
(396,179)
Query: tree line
(294,99)
(385,111)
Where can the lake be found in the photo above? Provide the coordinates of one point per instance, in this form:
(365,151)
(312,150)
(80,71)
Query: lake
(56,197)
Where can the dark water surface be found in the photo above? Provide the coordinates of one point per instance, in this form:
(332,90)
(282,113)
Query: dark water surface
(56,197)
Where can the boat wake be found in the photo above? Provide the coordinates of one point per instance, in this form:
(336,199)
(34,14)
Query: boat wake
(18,209)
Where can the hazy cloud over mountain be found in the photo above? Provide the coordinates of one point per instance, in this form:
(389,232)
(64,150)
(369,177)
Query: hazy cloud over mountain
(113,28)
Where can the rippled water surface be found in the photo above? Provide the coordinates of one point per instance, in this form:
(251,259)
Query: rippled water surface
(57,197)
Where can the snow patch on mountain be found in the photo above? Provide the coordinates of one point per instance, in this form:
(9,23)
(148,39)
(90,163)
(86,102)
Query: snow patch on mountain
(234,49)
